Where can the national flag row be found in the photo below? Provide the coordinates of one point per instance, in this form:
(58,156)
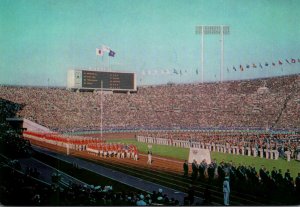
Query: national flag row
(241,67)
(266,65)
(165,72)
(104,49)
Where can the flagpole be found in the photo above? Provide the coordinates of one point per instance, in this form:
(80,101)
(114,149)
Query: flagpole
(106,68)
(97,58)
(108,63)
(101,111)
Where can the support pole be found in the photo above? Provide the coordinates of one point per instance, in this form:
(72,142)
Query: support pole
(222,54)
(211,30)
(202,55)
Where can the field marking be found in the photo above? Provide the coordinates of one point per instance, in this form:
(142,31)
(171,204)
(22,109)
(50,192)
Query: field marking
(161,158)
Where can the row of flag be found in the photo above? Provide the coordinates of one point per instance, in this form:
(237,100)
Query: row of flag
(163,72)
(241,67)
(156,72)
(266,65)
(104,49)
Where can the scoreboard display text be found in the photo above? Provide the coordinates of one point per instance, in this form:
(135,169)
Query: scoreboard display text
(110,80)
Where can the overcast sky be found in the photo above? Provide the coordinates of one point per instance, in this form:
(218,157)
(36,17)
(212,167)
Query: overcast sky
(42,39)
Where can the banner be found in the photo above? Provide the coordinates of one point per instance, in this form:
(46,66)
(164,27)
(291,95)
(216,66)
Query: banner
(199,155)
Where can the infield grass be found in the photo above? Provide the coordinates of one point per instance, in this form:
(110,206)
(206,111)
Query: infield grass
(183,154)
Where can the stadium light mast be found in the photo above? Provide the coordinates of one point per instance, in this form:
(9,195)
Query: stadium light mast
(210,30)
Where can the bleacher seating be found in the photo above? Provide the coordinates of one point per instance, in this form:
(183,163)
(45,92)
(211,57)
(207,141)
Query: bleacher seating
(228,104)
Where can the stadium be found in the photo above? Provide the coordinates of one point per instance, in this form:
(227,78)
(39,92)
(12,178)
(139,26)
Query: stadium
(111,137)
(245,118)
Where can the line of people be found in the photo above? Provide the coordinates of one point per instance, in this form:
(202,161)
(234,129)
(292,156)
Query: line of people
(267,145)
(247,179)
(119,151)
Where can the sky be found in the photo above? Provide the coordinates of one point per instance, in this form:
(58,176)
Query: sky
(40,40)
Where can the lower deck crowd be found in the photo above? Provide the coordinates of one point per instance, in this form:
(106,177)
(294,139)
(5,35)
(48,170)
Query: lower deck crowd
(265,145)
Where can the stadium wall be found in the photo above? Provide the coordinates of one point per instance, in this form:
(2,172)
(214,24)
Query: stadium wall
(28,125)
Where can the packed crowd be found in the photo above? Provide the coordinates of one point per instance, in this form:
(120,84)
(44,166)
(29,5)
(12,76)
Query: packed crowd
(113,150)
(72,142)
(234,142)
(262,103)
(92,145)
(247,179)
(30,191)
(10,142)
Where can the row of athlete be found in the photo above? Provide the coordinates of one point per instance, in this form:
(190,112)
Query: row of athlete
(114,150)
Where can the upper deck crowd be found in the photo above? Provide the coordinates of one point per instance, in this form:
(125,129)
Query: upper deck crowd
(261,103)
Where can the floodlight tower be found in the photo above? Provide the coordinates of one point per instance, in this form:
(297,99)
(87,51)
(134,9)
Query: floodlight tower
(212,29)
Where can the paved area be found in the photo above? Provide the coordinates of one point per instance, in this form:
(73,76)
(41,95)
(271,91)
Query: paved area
(119,176)
(46,171)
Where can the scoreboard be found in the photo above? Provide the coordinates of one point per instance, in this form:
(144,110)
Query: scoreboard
(88,79)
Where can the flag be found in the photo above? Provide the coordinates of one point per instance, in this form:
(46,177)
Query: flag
(266,64)
(241,67)
(99,52)
(287,61)
(279,62)
(293,61)
(273,64)
(254,66)
(111,53)
(234,68)
(247,66)
(105,48)
(175,71)
(260,65)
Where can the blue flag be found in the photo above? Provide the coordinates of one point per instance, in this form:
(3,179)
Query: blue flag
(111,53)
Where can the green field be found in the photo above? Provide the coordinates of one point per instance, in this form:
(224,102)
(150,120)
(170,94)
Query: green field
(183,153)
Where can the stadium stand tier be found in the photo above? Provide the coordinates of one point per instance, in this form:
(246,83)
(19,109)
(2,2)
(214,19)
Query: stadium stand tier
(262,103)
